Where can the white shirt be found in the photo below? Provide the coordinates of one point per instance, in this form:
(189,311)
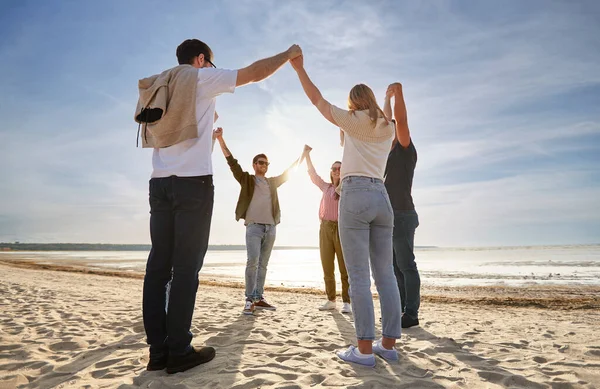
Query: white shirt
(193,156)
(364,158)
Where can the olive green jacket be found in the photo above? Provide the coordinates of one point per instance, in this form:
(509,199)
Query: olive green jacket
(248,183)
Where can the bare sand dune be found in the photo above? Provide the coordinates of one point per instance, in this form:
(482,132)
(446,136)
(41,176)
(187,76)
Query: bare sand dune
(74,330)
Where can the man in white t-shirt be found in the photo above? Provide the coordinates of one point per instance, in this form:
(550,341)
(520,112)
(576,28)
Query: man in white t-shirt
(182,195)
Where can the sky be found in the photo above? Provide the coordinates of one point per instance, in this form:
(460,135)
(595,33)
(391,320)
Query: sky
(503,102)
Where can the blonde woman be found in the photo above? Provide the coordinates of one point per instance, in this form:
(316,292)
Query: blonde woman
(366,219)
(329,238)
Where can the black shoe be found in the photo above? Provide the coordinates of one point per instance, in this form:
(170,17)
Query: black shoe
(195,357)
(158,361)
(408,321)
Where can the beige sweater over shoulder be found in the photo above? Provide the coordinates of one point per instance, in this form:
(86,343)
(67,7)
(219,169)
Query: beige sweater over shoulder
(171,96)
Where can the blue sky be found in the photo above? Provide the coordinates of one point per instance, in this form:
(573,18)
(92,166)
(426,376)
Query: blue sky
(503,101)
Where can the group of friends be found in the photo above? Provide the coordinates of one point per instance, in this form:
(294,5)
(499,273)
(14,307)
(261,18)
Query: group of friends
(367,215)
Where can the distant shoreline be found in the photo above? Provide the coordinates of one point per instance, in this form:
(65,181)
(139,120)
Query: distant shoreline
(117,247)
(17,246)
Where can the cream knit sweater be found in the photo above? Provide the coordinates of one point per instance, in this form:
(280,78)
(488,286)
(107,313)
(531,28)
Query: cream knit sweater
(358,125)
(366,145)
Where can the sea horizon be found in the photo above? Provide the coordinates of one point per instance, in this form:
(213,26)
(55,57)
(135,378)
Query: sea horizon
(37,246)
(301,267)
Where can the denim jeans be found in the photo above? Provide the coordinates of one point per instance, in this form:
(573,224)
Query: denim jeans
(180,216)
(405,267)
(260,239)
(366,221)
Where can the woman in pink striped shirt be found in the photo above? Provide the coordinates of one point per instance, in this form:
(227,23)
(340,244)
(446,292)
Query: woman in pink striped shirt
(329,238)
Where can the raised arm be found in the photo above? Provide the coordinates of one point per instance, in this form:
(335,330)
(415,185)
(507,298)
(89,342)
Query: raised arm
(312,173)
(387,105)
(313,93)
(236,169)
(402,132)
(263,68)
(283,177)
(215,134)
(306,155)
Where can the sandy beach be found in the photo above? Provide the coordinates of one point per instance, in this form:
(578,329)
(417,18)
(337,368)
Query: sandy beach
(69,329)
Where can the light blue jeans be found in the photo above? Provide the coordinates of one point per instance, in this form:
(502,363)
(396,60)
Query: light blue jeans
(366,223)
(260,239)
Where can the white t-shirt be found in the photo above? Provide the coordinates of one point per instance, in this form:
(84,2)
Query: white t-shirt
(193,156)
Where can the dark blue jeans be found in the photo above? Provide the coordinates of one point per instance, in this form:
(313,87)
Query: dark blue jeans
(405,267)
(181,211)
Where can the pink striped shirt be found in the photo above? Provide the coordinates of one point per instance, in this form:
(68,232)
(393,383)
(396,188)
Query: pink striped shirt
(328,209)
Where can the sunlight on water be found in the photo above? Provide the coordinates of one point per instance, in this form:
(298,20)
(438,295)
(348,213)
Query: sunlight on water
(556,265)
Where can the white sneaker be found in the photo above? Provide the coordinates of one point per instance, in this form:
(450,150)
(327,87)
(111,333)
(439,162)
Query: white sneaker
(248,308)
(328,306)
(346,308)
(388,355)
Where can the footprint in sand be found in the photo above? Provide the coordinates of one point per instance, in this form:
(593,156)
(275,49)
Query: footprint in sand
(109,362)
(9,347)
(515,381)
(68,346)
(255,372)
(593,353)
(316,379)
(14,381)
(561,385)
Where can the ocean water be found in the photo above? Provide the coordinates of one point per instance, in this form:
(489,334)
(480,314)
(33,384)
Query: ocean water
(511,266)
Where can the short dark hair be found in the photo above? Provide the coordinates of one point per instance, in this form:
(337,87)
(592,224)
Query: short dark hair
(190,49)
(259,156)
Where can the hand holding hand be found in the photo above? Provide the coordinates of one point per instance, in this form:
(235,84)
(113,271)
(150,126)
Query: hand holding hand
(389,93)
(298,62)
(218,134)
(307,149)
(394,89)
(294,51)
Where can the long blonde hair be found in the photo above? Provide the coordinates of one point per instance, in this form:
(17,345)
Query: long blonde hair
(362,98)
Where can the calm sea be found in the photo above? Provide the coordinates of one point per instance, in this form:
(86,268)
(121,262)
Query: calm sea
(514,266)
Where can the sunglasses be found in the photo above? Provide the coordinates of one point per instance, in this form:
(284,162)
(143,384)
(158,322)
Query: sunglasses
(262,163)
(335,169)
(208,60)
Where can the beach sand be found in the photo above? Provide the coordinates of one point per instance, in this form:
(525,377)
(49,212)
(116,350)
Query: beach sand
(76,330)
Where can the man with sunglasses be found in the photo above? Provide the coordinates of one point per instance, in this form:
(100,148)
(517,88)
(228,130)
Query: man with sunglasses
(258,205)
(176,110)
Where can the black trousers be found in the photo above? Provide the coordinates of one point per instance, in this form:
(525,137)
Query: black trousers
(181,211)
